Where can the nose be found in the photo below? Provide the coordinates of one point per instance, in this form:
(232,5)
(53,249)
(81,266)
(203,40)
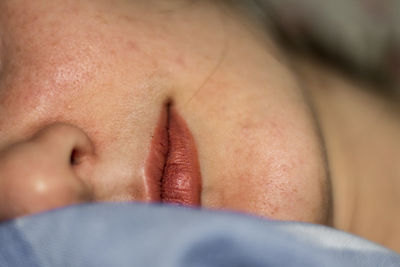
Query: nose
(42,173)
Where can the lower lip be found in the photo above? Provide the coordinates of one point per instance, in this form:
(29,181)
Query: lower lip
(172,168)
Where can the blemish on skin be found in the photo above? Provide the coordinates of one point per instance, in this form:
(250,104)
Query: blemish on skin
(132,46)
(34,18)
(181,61)
(101,19)
(55,43)
(274,210)
(127,18)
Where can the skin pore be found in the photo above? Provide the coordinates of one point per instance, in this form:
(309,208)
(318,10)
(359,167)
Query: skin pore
(90,78)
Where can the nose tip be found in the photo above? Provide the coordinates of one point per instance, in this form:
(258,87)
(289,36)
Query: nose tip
(42,173)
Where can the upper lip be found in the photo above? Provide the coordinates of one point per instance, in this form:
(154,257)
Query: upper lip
(172,172)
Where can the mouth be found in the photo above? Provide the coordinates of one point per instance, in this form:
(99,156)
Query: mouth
(172,171)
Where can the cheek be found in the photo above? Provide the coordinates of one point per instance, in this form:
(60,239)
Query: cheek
(274,170)
(289,174)
(279,187)
(74,79)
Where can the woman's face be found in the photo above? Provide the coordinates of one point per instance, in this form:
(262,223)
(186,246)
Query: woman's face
(93,79)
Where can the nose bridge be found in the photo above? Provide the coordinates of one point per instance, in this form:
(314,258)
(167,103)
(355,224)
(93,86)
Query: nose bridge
(38,175)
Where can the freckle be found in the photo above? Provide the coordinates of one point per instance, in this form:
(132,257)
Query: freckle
(180,61)
(55,43)
(133,46)
(112,52)
(154,64)
(34,18)
(127,18)
(101,19)
(274,210)
(18,48)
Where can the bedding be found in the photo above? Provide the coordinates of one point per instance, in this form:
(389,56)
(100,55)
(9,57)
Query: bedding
(134,234)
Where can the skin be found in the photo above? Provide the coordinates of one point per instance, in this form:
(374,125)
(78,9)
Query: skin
(82,85)
(102,71)
(361,130)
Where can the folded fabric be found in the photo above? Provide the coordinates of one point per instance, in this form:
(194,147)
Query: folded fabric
(133,234)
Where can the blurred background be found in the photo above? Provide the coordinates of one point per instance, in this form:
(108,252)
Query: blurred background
(361,36)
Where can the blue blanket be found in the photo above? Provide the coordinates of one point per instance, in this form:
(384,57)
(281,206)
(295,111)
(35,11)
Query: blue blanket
(133,234)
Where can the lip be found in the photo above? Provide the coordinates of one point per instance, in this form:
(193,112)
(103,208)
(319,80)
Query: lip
(172,172)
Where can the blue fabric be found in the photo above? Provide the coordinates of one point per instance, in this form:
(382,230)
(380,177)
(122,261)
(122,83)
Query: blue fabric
(134,234)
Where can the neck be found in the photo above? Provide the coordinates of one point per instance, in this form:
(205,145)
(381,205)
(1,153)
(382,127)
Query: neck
(361,131)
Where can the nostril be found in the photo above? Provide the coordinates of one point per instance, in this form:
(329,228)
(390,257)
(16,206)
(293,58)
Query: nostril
(65,142)
(74,158)
(77,156)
